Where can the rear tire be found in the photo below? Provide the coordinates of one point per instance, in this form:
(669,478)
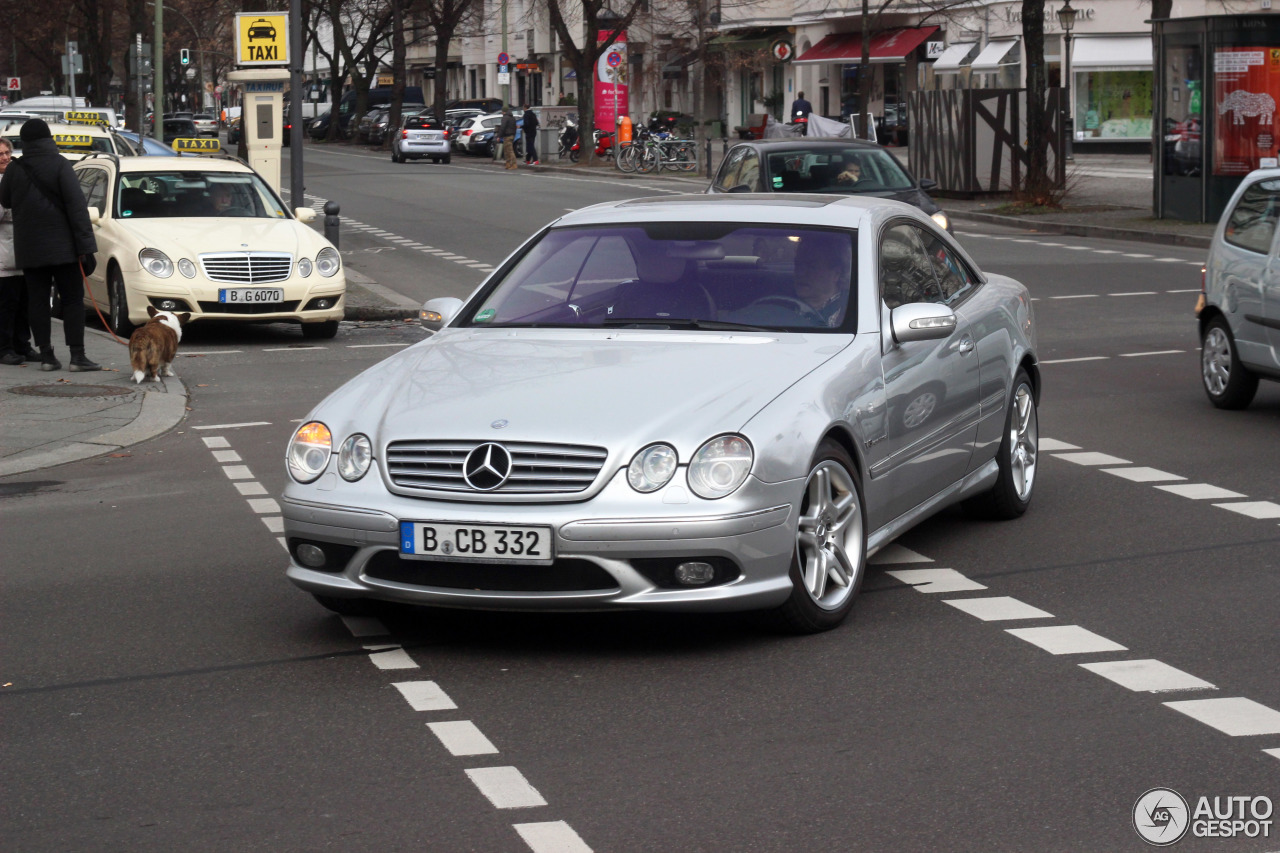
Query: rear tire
(1011,494)
(320,331)
(1227,382)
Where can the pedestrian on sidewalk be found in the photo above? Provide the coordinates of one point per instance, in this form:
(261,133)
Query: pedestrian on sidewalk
(15,336)
(52,240)
(507,133)
(529,127)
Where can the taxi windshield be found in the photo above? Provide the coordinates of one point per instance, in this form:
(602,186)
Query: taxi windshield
(173,193)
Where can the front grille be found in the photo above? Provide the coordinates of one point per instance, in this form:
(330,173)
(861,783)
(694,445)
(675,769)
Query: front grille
(247,307)
(535,468)
(246,267)
(566,575)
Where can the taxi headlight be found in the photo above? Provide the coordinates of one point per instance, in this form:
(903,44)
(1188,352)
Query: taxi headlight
(309,451)
(354,457)
(327,262)
(941,219)
(720,466)
(304,267)
(156,262)
(187,268)
(652,468)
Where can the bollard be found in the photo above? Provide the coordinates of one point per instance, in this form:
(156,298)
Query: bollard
(331,222)
(708,157)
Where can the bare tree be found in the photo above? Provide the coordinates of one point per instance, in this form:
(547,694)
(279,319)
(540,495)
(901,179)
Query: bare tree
(445,18)
(359,29)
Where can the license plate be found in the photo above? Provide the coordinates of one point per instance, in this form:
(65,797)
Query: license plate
(426,137)
(256,295)
(489,543)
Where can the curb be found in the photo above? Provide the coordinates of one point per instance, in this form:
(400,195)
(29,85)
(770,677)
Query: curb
(369,313)
(1165,238)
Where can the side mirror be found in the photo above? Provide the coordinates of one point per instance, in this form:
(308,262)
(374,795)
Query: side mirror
(95,215)
(921,321)
(304,214)
(928,184)
(436,313)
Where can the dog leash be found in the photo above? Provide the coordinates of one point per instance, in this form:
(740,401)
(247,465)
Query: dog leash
(87,289)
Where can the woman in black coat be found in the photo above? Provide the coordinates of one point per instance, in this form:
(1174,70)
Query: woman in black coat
(52,239)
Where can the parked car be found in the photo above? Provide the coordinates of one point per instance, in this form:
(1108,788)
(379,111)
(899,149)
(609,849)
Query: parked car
(179,128)
(892,127)
(319,127)
(674,404)
(147,145)
(74,140)
(168,237)
(1239,310)
(378,132)
(816,165)
(421,136)
(367,121)
(478,134)
(205,123)
(233,131)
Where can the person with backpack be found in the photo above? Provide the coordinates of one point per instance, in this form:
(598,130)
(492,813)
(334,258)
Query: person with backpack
(53,240)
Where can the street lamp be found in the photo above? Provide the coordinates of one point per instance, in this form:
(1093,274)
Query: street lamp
(1067,20)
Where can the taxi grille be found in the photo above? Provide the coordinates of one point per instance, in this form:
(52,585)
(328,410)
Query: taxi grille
(247,267)
(535,468)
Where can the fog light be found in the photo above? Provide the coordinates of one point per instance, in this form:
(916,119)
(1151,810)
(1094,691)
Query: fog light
(322,304)
(168,305)
(695,574)
(312,556)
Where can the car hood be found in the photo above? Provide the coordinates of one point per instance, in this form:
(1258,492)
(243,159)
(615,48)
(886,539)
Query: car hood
(915,197)
(191,236)
(615,388)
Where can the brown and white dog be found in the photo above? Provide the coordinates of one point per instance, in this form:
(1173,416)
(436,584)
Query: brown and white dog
(153,346)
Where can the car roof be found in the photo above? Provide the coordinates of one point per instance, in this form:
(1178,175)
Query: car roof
(763,208)
(57,127)
(818,142)
(195,163)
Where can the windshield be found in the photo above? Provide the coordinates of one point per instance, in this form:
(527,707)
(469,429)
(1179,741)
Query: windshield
(687,275)
(172,193)
(836,170)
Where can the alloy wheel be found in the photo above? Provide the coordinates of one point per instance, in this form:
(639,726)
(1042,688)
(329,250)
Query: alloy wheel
(1215,361)
(829,538)
(1023,442)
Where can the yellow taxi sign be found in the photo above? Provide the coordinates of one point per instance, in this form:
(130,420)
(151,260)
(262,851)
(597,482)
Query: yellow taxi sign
(74,117)
(196,146)
(73,140)
(262,38)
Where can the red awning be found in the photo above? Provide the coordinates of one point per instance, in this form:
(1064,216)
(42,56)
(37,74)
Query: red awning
(888,46)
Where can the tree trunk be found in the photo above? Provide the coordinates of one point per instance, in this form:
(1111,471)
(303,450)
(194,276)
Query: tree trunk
(438,97)
(1037,184)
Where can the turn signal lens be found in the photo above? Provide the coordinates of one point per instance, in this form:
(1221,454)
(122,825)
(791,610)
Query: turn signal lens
(720,466)
(309,451)
(652,468)
(354,457)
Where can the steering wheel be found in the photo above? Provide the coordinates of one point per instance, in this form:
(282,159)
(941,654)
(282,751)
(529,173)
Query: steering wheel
(804,309)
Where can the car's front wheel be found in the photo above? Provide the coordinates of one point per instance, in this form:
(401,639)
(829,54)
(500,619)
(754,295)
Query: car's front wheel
(119,304)
(1016,458)
(830,557)
(1229,384)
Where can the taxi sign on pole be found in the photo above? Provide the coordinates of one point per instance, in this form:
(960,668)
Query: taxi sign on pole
(73,140)
(77,117)
(262,38)
(196,146)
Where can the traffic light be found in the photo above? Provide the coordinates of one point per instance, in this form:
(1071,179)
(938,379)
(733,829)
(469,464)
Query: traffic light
(186,56)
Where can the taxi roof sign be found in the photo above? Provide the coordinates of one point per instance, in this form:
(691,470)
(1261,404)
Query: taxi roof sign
(73,140)
(196,146)
(262,38)
(75,117)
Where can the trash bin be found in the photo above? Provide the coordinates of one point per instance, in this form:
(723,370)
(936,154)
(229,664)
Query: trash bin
(548,143)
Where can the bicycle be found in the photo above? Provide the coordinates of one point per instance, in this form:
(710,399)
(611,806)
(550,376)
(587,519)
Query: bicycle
(678,155)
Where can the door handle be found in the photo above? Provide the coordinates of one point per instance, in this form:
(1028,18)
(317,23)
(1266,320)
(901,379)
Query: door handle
(966,345)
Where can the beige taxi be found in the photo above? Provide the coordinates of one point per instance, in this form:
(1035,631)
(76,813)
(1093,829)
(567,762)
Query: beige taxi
(75,139)
(206,235)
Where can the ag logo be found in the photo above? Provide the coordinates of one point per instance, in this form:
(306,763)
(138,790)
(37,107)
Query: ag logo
(1160,816)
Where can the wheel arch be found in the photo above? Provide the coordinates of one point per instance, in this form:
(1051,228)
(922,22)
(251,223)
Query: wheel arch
(1032,367)
(841,435)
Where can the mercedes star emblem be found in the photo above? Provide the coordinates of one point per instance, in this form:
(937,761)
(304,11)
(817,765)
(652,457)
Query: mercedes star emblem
(500,423)
(487,467)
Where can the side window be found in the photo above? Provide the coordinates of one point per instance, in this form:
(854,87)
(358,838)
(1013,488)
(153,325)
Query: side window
(1252,223)
(93,183)
(906,272)
(953,276)
(729,171)
(749,173)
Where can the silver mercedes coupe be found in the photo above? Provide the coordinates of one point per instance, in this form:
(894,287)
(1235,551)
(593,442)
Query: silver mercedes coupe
(700,403)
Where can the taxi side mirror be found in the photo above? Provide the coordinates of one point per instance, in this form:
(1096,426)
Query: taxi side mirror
(95,216)
(304,214)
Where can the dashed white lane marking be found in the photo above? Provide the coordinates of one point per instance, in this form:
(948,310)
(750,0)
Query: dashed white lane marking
(555,837)
(1147,676)
(425,696)
(935,580)
(290,349)
(1066,640)
(1236,716)
(372,346)
(275,524)
(248,489)
(461,737)
(1254,509)
(1142,475)
(1135,255)
(238,472)
(505,787)
(1091,458)
(895,553)
(391,657)
(1135,293)
(997,608)
(234,426)
(264,506)
(1154,352)
(1048,445)
(364,626)
(1201,492)
(1191,290)
(1077,296)
(215,441)
(1073,360)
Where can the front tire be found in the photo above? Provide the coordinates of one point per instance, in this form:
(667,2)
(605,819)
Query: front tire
(830,557)
(1229,384)
(347,606)
(320,331)
(119,305)
(1011,494)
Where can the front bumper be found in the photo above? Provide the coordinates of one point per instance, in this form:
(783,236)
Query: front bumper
(613,551)
(200,296)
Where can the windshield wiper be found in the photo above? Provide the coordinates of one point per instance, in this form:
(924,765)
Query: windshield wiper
(688,323)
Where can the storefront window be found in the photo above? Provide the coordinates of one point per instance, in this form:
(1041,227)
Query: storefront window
(1113,104)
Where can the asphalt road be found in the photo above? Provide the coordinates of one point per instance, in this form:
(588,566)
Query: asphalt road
(167,689)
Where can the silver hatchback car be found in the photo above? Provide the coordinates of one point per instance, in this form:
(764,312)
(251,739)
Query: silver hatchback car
(1239,310)
(703,403)
(420,136)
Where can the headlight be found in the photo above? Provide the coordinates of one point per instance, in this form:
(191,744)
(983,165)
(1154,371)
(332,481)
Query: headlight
(156,262)
(720,466)
(187,268)
(309,451)
(304,267)
(354,457)
(941,219)
(652,468)
(327,261)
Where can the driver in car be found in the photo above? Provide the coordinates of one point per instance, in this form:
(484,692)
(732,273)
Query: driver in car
(822,278)
(222,202)
(852,173)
